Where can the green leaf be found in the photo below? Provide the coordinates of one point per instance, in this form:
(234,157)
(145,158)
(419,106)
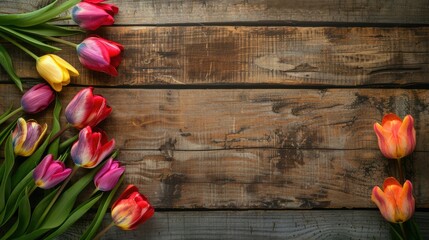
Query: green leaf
(395,231)
(74,216)
(8,165)
(39,209)
(25,19)
(63,206)
(13,199)
(46,29)
(6,63)
(102,209)
(53,148)
(24,214)
(30,40)
(30,163)
(5,133)
(36,17)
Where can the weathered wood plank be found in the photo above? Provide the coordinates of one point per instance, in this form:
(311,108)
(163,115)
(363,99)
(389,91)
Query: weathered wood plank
(258,225)
(295,56)
(267,178)
(256,11)
(152,119)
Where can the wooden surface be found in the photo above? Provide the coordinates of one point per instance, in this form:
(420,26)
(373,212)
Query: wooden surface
(260,106)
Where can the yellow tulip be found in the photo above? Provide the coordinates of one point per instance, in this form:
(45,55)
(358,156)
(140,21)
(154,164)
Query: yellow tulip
(55,70)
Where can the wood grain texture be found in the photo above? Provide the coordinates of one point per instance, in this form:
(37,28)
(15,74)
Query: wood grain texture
(266,148)
(149,12)
(258,225)
(289,56)
(152,119)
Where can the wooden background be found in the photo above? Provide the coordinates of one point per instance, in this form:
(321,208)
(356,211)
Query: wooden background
(253,119)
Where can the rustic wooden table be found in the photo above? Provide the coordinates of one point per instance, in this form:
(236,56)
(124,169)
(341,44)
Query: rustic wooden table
(252,119)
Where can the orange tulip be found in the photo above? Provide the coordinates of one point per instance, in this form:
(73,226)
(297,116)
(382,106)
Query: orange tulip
(396,138)
(396,202)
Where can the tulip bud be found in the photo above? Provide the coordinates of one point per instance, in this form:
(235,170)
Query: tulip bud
(131,209)
(90,15)
(49,172)
(108,176)
(37,98)
(100,55)
(91,148)
(26,136)
(396,138)
(87,109)
(396,202)
(55,70)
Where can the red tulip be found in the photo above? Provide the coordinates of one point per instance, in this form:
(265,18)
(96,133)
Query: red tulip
(91,14)
(396,138)
(131,209)
(100,55)
(86,109)
(91,148)
(396,202)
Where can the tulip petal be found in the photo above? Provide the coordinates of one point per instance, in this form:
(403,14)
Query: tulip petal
(49,70)
(406,202)
(390,118)
(386,142)
(65,64)
(384,203)
(41,169)
(80,107)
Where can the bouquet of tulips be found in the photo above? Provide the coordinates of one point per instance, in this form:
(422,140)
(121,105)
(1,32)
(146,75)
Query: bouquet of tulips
(36,30)
(396,140)
(44,179)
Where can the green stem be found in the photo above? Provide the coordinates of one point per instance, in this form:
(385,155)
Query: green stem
(401,173)
(403,230)
(59,133)
(32,189)
(61,41)
(100,234)
(75,168)
(11,114)
(60,18)
(18,45)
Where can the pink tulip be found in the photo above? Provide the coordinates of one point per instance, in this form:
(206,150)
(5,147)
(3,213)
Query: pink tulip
(37,98)
(49,172)
(87,109)
(91,148)
(100,55)
(396,138)
(108,176)
(396,202)
(91,14)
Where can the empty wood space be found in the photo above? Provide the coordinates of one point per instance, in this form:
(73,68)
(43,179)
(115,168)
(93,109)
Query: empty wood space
(253,119)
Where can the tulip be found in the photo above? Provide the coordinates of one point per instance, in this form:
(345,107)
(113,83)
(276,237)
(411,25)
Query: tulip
(108,176)
(131,209)
(396,202)
(91,14)
(50,172)
(91,148)
(26,136)
(86,109)
(100,55)
(55,70)
(37,98)
(396,138)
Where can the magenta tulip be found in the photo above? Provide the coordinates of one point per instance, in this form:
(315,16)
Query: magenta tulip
(50,172)
(108,176)
(100,55)
(91,148)
(87,109)
(91,14)
(37,98)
